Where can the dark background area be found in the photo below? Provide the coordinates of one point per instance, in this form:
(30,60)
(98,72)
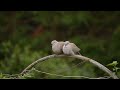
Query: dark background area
(26,36)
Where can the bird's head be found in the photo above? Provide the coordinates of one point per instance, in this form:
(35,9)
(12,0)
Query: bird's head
(66,43)
(53,42)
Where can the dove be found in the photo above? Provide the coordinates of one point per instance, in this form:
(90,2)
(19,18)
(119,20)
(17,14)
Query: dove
(57,47)
(70,48)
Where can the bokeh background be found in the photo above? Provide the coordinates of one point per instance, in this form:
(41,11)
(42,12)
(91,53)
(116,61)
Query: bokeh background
(26,36)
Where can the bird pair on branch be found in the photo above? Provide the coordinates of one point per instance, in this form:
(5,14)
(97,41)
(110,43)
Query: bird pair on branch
(66,48)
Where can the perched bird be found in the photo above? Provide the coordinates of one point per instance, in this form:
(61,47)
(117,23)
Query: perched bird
(70,48)
(57,47)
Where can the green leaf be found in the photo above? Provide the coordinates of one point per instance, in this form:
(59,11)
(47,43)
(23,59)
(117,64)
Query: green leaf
(114,63)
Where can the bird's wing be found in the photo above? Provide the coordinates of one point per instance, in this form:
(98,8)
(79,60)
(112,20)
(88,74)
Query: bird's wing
(74,47)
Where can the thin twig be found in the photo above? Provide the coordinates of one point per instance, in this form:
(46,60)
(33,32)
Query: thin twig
(33,69)
(105,77)
(60,75)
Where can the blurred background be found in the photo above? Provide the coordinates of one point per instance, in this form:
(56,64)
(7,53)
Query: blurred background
(26,36)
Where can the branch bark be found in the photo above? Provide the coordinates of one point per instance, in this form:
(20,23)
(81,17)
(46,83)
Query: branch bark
(95,63)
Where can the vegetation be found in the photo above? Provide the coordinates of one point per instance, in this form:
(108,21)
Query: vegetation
(26,36)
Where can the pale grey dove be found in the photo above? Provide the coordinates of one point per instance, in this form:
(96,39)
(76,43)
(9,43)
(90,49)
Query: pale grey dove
(70,48)
(57,47)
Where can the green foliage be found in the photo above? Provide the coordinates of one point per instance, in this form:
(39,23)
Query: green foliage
(20,57)
(114,66)
(114,63)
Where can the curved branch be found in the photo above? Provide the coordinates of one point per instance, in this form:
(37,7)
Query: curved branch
(100,66)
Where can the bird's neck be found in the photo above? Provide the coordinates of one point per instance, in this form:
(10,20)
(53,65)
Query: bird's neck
(66,44)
